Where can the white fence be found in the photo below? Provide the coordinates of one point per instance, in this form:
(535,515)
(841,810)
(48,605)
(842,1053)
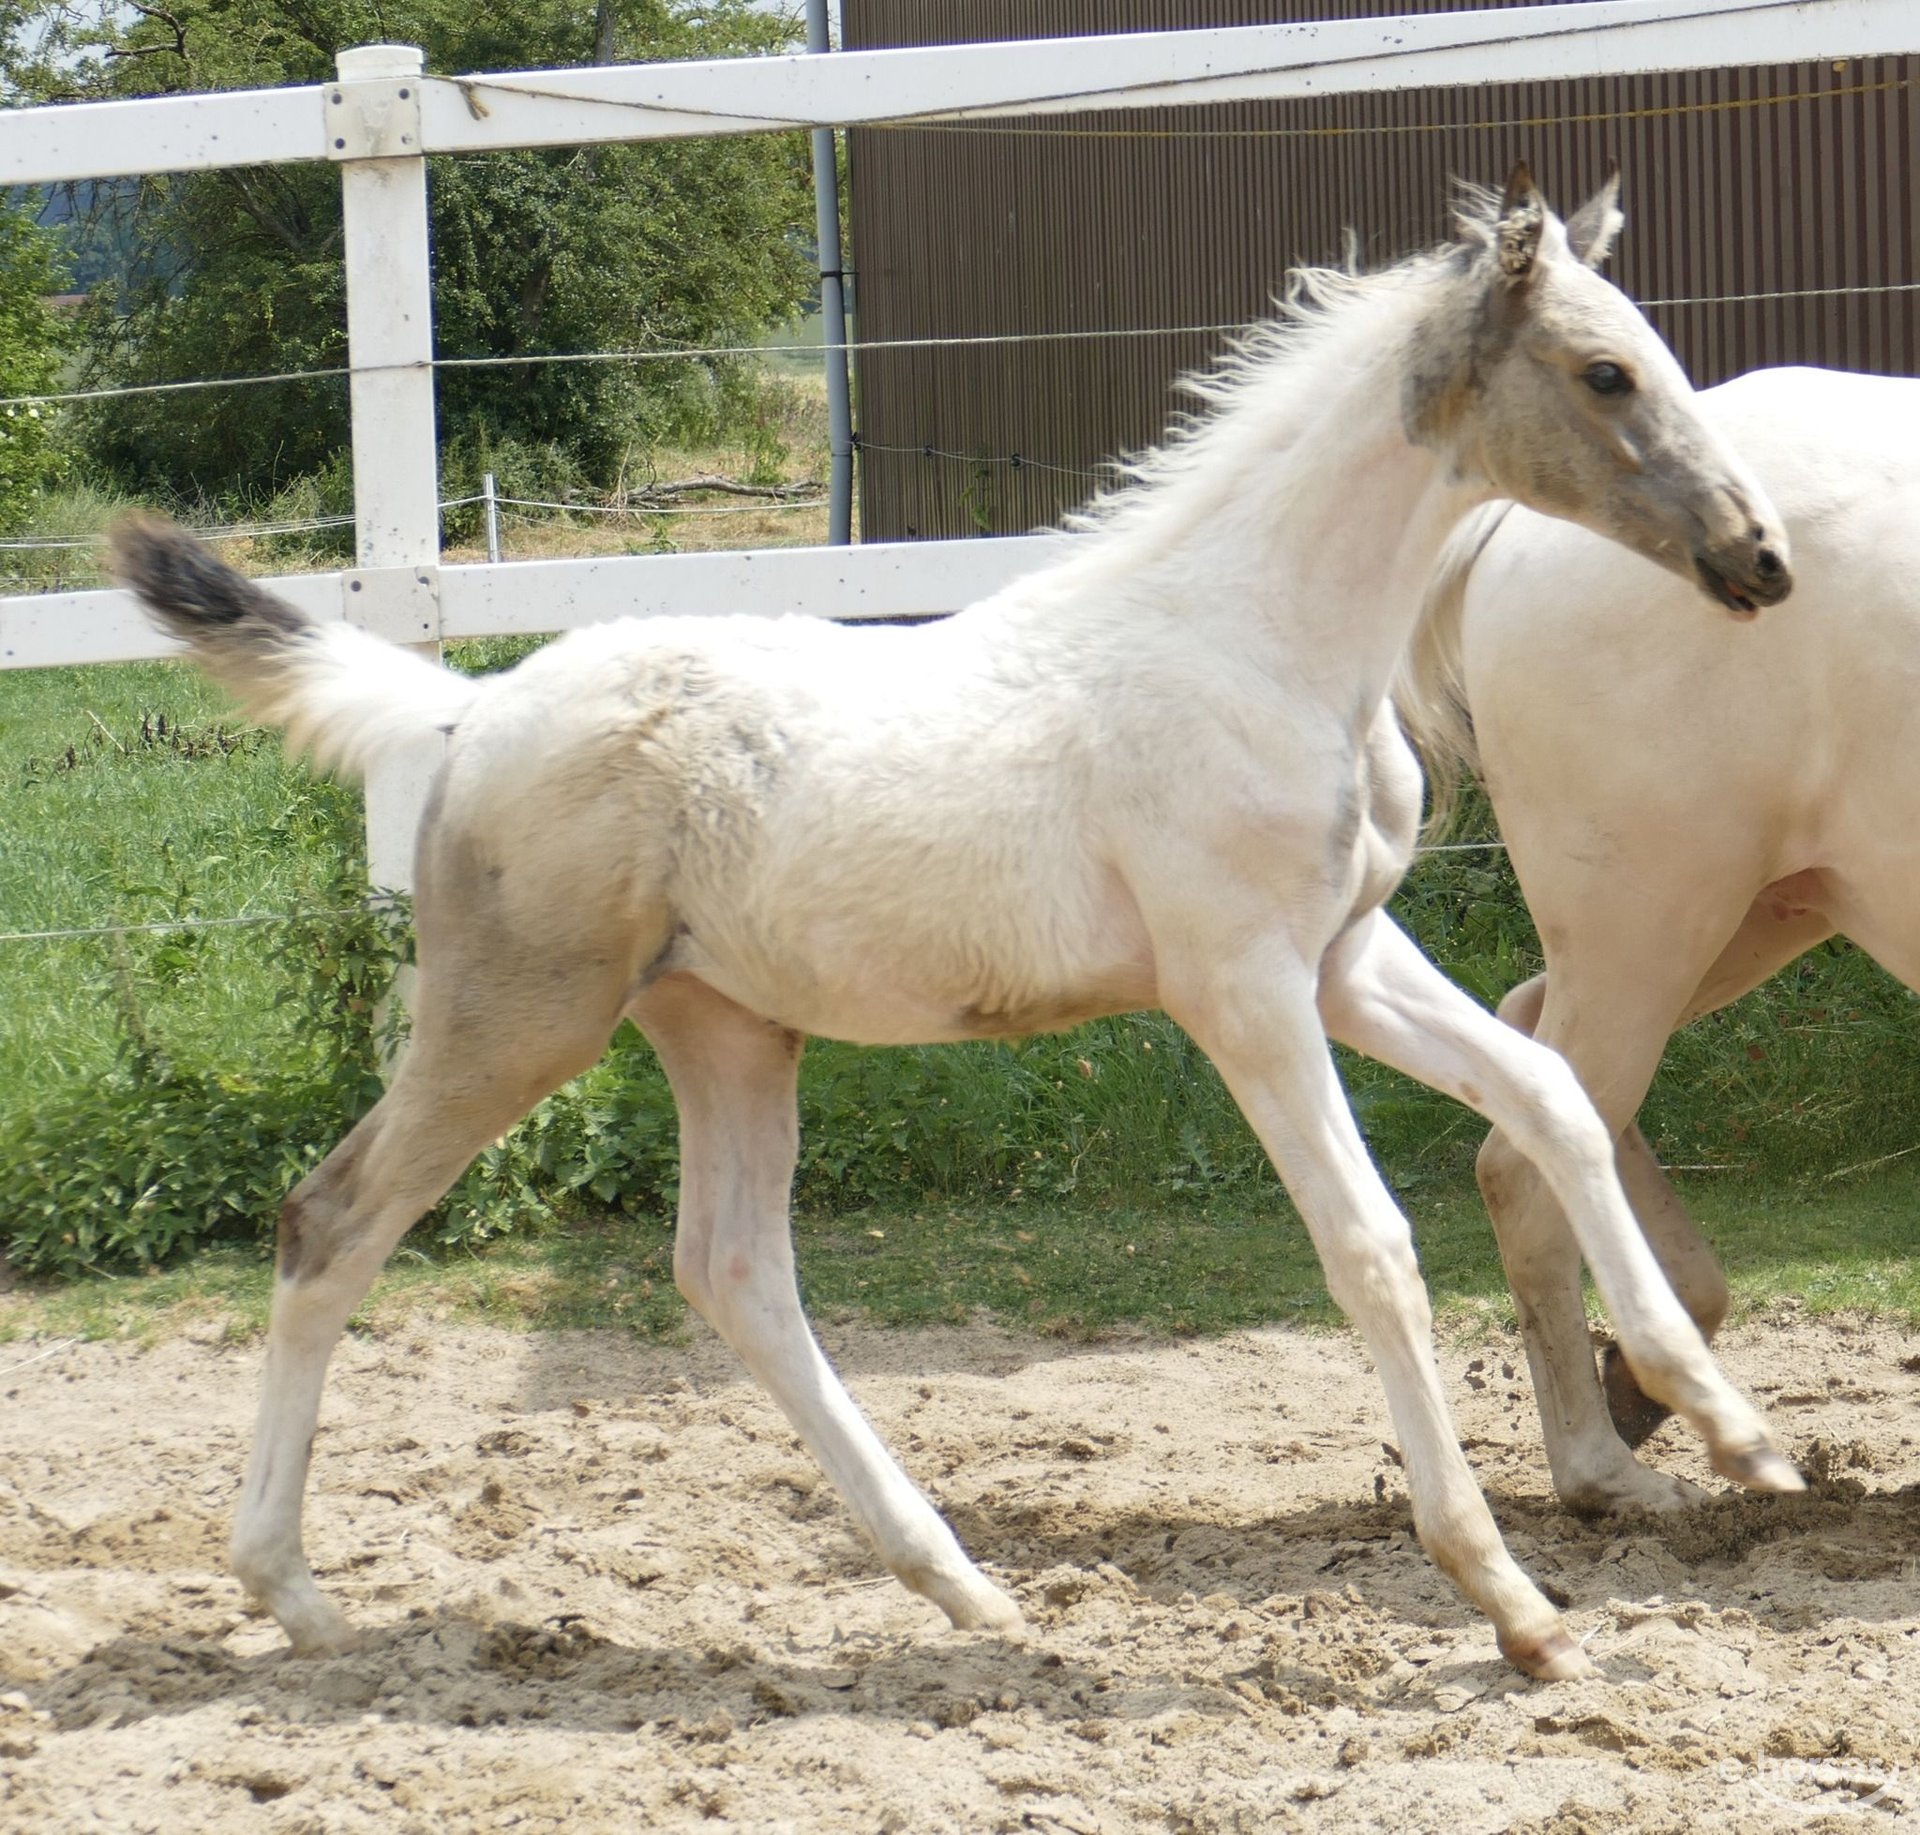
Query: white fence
(381,119)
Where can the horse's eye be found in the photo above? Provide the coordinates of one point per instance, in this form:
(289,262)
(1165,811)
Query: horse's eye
(1607,379)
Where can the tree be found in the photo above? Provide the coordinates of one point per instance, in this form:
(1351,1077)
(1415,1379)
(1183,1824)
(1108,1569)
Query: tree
(698,242)
(31,339)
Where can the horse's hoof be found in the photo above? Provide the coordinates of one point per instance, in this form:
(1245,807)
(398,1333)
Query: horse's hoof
(316,1628)
(970,1600)
(996,1612)
(1556,1657)
(1760,1468)
(1637,1488)
(1636,1415)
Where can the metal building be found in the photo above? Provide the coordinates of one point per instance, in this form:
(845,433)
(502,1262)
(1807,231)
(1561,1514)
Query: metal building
(1796,179)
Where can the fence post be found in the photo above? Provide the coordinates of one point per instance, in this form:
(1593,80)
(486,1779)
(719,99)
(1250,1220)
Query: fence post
(490,496)
(373,131)
(833,307)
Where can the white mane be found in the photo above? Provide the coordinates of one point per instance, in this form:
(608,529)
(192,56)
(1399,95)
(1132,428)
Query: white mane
(1269,388)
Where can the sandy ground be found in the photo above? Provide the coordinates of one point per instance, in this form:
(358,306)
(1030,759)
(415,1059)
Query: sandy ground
(605,1590)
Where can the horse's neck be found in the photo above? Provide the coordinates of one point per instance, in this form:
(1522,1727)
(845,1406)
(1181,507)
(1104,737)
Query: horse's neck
(1319,557)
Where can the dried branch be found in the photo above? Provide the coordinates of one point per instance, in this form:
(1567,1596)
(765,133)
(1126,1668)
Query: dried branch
(728,487)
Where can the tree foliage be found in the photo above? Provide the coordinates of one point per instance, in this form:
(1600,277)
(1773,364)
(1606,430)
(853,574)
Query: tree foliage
(30,349)
(697,242)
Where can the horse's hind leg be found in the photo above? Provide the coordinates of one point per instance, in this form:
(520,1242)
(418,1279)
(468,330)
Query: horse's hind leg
(733,1076)
(1775,930)
(491,1038)
(1619,983)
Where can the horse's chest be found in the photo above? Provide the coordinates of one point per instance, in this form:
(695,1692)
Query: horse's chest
(1385,819)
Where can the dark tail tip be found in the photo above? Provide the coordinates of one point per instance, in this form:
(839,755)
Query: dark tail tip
(186,587)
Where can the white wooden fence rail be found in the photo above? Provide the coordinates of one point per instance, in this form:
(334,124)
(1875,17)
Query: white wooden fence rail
(381,118)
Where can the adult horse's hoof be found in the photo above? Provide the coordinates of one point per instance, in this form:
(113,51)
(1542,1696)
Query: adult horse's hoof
(1760,1468)
(1633,1487)
(335,1638)
(1556,1657)
(1636,1415)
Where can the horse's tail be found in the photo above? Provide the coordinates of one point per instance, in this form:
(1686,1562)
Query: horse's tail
(339,693)
(1430,691)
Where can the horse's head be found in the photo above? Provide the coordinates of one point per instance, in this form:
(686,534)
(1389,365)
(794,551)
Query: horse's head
(1543,382)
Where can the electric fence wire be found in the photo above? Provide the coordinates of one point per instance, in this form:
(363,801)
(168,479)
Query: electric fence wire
(1018,461)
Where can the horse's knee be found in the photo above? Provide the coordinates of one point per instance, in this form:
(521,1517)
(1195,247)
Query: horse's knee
(1558,1117)
(724,1275)
(1373,1276)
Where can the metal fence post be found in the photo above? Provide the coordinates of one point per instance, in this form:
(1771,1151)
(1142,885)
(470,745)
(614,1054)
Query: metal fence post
(490,496)
(373,131)
(833,306)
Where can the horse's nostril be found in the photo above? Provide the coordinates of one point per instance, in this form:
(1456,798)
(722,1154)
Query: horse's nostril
(1768,564)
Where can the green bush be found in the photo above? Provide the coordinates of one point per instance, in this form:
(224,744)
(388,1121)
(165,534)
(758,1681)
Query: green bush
(31,341)
(159,1157)
(176,1147)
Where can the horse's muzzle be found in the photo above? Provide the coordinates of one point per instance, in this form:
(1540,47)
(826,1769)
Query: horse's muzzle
(1764,578)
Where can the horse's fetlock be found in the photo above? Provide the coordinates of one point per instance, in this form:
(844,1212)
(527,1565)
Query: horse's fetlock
(1665,1373)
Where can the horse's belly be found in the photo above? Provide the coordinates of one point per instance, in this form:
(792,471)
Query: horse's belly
(897,992)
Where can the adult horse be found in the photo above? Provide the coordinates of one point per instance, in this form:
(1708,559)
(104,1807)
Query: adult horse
(1162,772)
(1685,812)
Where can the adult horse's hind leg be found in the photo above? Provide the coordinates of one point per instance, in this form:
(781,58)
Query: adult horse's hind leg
(491,1038)
(733,1076)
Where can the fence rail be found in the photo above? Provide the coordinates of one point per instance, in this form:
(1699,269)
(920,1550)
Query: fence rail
(382,118)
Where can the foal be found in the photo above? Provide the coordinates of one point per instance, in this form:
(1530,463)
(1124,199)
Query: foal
(1162,772)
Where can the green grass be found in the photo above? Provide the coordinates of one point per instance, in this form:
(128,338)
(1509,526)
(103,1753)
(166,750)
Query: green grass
(132,795)
(1063,1270)
(1120,1132)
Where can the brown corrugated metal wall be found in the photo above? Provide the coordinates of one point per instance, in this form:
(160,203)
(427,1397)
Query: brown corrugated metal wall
(1742,181)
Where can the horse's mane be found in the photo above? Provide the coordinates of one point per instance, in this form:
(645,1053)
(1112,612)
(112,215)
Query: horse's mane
(1270,367)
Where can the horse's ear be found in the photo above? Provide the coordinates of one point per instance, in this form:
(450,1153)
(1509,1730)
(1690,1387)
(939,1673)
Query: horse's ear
(1592,228)
(1522,222)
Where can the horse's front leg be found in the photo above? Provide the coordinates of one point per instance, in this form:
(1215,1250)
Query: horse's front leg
(733,1076)
(1514,1191)
(1380,995)
(1254,1016)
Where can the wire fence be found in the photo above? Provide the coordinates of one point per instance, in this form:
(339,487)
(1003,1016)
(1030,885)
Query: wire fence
(528,508)
(310,525)
(713,353)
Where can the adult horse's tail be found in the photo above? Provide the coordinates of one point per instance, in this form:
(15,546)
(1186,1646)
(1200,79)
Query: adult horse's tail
(1430,691)
(339,693)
